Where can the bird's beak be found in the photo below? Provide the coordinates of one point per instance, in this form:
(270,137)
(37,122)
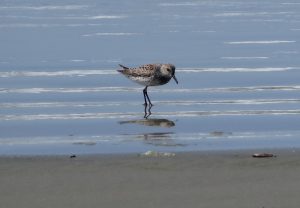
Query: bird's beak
(175,79)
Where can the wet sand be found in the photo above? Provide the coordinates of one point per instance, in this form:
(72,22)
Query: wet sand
(206,179)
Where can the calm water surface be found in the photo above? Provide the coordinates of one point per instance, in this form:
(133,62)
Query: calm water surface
(237,62)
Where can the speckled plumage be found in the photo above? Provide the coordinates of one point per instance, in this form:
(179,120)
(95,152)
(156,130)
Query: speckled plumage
(150,75)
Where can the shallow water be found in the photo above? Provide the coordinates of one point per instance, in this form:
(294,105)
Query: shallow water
(237,63)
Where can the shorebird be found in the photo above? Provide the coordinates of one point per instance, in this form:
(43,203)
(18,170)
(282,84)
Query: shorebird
(150,75)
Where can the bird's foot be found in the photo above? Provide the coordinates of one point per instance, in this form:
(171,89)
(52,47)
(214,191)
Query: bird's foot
(148,104)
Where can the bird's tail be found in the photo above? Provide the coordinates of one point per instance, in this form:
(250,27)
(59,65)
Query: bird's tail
(124,67)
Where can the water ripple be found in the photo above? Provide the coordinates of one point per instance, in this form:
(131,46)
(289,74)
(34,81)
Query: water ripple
(88,72)
(166,102)
(136,89)
(185,138)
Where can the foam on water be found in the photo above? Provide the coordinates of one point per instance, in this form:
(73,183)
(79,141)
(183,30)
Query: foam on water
(236,69)
(250,14)
(244,57)
(61,17)
(48,7)
(178,4)
(106,17)
(111,34)
(260,42)
(84,72)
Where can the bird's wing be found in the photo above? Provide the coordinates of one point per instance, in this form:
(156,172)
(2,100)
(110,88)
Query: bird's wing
(147,69)
(142,71)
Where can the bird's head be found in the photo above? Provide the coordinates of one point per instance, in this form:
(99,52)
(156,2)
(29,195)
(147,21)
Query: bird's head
(169,71)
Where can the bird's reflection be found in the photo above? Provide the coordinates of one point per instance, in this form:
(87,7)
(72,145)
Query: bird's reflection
(147,111)
(158,122)
(153,138)
(163,139)
(151,122)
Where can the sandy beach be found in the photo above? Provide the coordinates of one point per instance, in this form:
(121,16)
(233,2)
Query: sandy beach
(238,68)
(206,179)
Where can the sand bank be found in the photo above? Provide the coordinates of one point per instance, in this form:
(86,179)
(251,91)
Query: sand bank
(213,179)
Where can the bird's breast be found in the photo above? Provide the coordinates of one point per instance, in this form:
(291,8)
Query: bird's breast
(159,80)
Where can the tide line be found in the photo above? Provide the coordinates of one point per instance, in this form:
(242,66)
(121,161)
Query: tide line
(132,115)
(178,137)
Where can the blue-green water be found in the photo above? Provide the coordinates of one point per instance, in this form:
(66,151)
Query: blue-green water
(237,63)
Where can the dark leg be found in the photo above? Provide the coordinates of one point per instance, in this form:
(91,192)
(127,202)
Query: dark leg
(144,93)
(146,97)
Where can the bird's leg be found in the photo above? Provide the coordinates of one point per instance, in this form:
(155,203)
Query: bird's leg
(144,92)
(146,97)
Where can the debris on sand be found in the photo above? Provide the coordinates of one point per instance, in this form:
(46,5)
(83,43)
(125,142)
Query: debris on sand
(220,133)
(158,154)
(263,155)
(85,143)
(73,156)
